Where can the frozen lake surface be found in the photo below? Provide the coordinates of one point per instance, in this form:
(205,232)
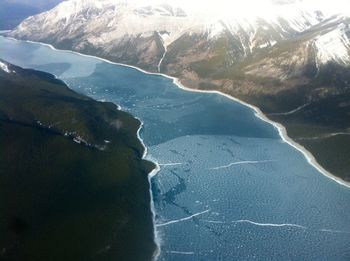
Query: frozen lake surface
(229,188)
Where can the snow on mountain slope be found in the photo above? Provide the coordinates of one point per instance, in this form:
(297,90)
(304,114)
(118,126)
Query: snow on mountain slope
(104,20)
(5,68)
(334,45)
(140,32)
(107,20)
(328,42)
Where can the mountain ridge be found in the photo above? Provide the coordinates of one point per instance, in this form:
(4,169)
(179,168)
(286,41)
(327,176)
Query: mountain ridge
(110,25)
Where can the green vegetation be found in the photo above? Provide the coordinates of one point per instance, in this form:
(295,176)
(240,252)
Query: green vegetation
(65,200)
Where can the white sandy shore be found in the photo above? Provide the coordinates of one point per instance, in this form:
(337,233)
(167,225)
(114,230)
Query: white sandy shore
(281,129)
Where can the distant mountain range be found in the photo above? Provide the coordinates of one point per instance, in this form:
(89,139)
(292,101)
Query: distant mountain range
(291,59)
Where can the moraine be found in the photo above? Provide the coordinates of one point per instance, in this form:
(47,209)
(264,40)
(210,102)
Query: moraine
(228,188)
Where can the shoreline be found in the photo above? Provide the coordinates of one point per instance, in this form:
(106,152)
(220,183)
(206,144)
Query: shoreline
(258,113)
(282,131)
(150,176)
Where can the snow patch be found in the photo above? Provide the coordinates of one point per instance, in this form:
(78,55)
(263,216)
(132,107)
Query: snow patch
(333,46)
(5,68)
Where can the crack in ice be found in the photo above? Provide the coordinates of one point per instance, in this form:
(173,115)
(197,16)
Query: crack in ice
(269,224)
(170,164)
(241,163)
(181,252)
(334,231)
(214,221)
(182,219)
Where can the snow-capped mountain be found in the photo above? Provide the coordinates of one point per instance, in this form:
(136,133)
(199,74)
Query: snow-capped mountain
(231,48)
(140,32)
(333,42)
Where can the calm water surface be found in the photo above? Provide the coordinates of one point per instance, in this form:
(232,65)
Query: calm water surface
(229,188)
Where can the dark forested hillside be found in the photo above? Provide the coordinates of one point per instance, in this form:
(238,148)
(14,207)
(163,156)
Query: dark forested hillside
(73,184)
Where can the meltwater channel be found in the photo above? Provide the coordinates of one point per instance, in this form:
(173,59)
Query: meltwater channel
(229,188)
